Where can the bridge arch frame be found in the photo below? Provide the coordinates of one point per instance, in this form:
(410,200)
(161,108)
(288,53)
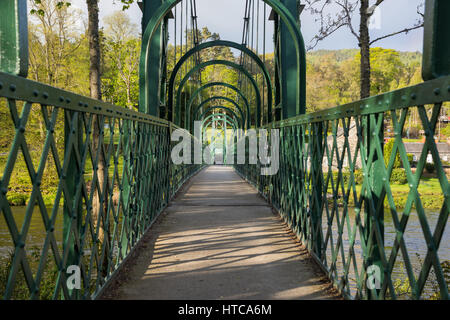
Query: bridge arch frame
(276,5)
(240,119)
(217,98)
(210,44)
(234,66)
(212,84)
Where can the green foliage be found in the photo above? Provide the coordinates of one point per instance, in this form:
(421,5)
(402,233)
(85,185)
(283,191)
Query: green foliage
(359,177)
(446,131)
(16,198)
(21,291)
(410,158)
(388,147)
(398,176)
(333,75)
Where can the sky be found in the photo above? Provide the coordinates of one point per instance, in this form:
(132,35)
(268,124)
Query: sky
(226,18)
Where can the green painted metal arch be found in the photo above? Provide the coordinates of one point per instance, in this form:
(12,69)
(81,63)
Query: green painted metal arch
(224,108)
(276,5)
(205,126)
(229,64)
(219,123)
(214,117)
(217,115)
(217,43)
(212,84)
(216,98)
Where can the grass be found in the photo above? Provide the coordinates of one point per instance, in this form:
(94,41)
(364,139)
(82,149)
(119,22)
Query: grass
(429,190)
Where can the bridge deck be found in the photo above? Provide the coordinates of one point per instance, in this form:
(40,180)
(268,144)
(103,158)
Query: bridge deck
(218,239)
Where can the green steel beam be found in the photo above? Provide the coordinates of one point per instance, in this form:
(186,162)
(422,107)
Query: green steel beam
(150,81)
(436,44)
(212,84)
(14,37)
(288,64)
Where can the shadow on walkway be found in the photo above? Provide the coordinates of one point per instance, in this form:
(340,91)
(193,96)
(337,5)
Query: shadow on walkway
(218,239)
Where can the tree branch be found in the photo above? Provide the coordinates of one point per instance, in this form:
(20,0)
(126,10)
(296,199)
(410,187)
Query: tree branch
(406,30)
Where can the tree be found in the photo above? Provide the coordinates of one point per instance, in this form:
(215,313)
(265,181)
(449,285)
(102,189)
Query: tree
(122,50)
(344,18)
(99,209)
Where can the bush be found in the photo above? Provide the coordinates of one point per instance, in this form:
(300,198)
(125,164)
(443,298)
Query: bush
(345,178)
(17,199)
(410,158)
(429,167)
(387,154)
(398,176)
(359,176)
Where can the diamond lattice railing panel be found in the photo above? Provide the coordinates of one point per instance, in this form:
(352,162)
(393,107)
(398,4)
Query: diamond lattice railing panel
(361,203)
(81,181)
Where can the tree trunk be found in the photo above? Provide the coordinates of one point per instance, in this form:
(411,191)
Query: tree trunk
(99,208)
(94,50)
(364,44)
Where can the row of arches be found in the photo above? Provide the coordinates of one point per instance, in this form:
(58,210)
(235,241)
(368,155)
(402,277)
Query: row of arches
(243,114)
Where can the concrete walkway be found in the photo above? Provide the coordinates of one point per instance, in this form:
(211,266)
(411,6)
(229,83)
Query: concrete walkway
(218,239)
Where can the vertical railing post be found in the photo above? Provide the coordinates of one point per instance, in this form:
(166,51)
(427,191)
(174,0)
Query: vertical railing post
(373,219)
(149,92)
(126,188)
(14,37)
(436,44)
(317,187)
(72,214)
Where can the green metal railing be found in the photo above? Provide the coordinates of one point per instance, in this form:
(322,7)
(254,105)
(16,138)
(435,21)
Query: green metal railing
(113,177)
(342,221)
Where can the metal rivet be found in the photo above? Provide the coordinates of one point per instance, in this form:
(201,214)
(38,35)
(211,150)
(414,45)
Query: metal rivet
(413,96)
(22,245)
(52,229)
(68,100)
(448,88)
(12,87)
(61,99)
(35,93)
(80,104)
(437,91)
(1,86)
(4,191)
(22,129)
(45,95)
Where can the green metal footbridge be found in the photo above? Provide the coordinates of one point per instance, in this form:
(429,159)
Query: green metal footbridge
(115,172)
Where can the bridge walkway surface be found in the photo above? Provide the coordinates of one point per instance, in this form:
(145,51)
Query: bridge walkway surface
(219,239)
